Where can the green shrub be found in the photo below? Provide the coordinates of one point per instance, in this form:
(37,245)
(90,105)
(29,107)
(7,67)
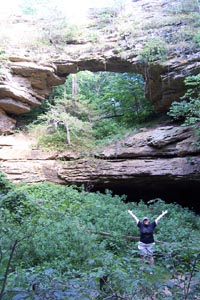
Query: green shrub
(154,49)
(188,109)
(62,246)
(196,39)
(5,184)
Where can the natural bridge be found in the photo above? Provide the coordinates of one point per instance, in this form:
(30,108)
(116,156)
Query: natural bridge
(158,162)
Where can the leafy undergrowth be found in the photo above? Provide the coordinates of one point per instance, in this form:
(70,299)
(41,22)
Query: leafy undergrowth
(61,242)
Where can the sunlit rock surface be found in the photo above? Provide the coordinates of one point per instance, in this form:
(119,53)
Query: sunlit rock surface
(30,83)
(148,163)
(164,153)
(29,74)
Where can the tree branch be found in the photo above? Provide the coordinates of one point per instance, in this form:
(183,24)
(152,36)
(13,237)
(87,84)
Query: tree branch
(107,234)
(7,268)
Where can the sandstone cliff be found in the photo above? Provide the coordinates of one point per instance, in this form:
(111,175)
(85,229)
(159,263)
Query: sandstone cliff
(149,158)
(28,83)
(159,159)
(161,47)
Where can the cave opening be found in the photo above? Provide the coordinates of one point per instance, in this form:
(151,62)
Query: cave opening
(182,193)
(170,191)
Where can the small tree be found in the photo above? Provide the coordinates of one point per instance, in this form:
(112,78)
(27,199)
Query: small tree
(62,116)
(188,110)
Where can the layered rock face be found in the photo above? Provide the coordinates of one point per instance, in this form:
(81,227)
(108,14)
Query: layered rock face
(149,163)
(27,80)
(27,83)
(145,160)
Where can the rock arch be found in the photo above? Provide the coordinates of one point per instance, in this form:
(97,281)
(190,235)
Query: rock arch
(27,83)
(166,164)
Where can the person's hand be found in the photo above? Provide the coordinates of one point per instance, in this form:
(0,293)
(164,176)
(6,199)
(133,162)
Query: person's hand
(165,212)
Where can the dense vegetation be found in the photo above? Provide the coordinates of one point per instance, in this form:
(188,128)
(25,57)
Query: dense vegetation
(95,107)
(61,242)
(90,108)
(187,111)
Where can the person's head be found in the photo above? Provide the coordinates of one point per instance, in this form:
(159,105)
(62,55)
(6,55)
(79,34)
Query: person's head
(146,220)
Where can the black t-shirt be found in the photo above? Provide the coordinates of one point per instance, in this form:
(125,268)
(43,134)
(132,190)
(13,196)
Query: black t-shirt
(146,232)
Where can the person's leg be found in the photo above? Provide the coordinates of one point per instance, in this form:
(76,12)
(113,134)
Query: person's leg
(143,251)
(151,260)
(150,253)
(142,259)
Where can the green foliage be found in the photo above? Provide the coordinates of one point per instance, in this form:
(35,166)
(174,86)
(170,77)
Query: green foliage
(185,6)
(154,49)
(2,53)
(55,140)
(115,100)
(61,239)
(54,27)
(197,39)
(106,128)
(18,205)
(34,7)
(5,184)
(72,33)
(63,121)
(188,110)
(94,106)
(104,16)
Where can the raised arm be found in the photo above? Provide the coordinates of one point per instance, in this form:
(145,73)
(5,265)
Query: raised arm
(134,216)
(159,217)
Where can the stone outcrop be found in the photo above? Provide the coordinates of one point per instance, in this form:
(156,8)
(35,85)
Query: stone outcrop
(164,82)
(27,79)
(160,162)
(29,83)
(25,86)
(149,163)
(22,161)
(167,141)
(6,124)
(153,155)
(164,154)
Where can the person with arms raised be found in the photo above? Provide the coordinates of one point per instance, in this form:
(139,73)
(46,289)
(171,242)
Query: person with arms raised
(146,243)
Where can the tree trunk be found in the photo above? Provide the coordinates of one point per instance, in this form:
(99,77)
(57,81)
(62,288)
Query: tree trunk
(67,132)
(74,85)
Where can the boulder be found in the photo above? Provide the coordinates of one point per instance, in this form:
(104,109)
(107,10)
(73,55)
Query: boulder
(7,124)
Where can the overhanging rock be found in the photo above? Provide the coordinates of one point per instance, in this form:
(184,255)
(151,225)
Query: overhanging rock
(30,82)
